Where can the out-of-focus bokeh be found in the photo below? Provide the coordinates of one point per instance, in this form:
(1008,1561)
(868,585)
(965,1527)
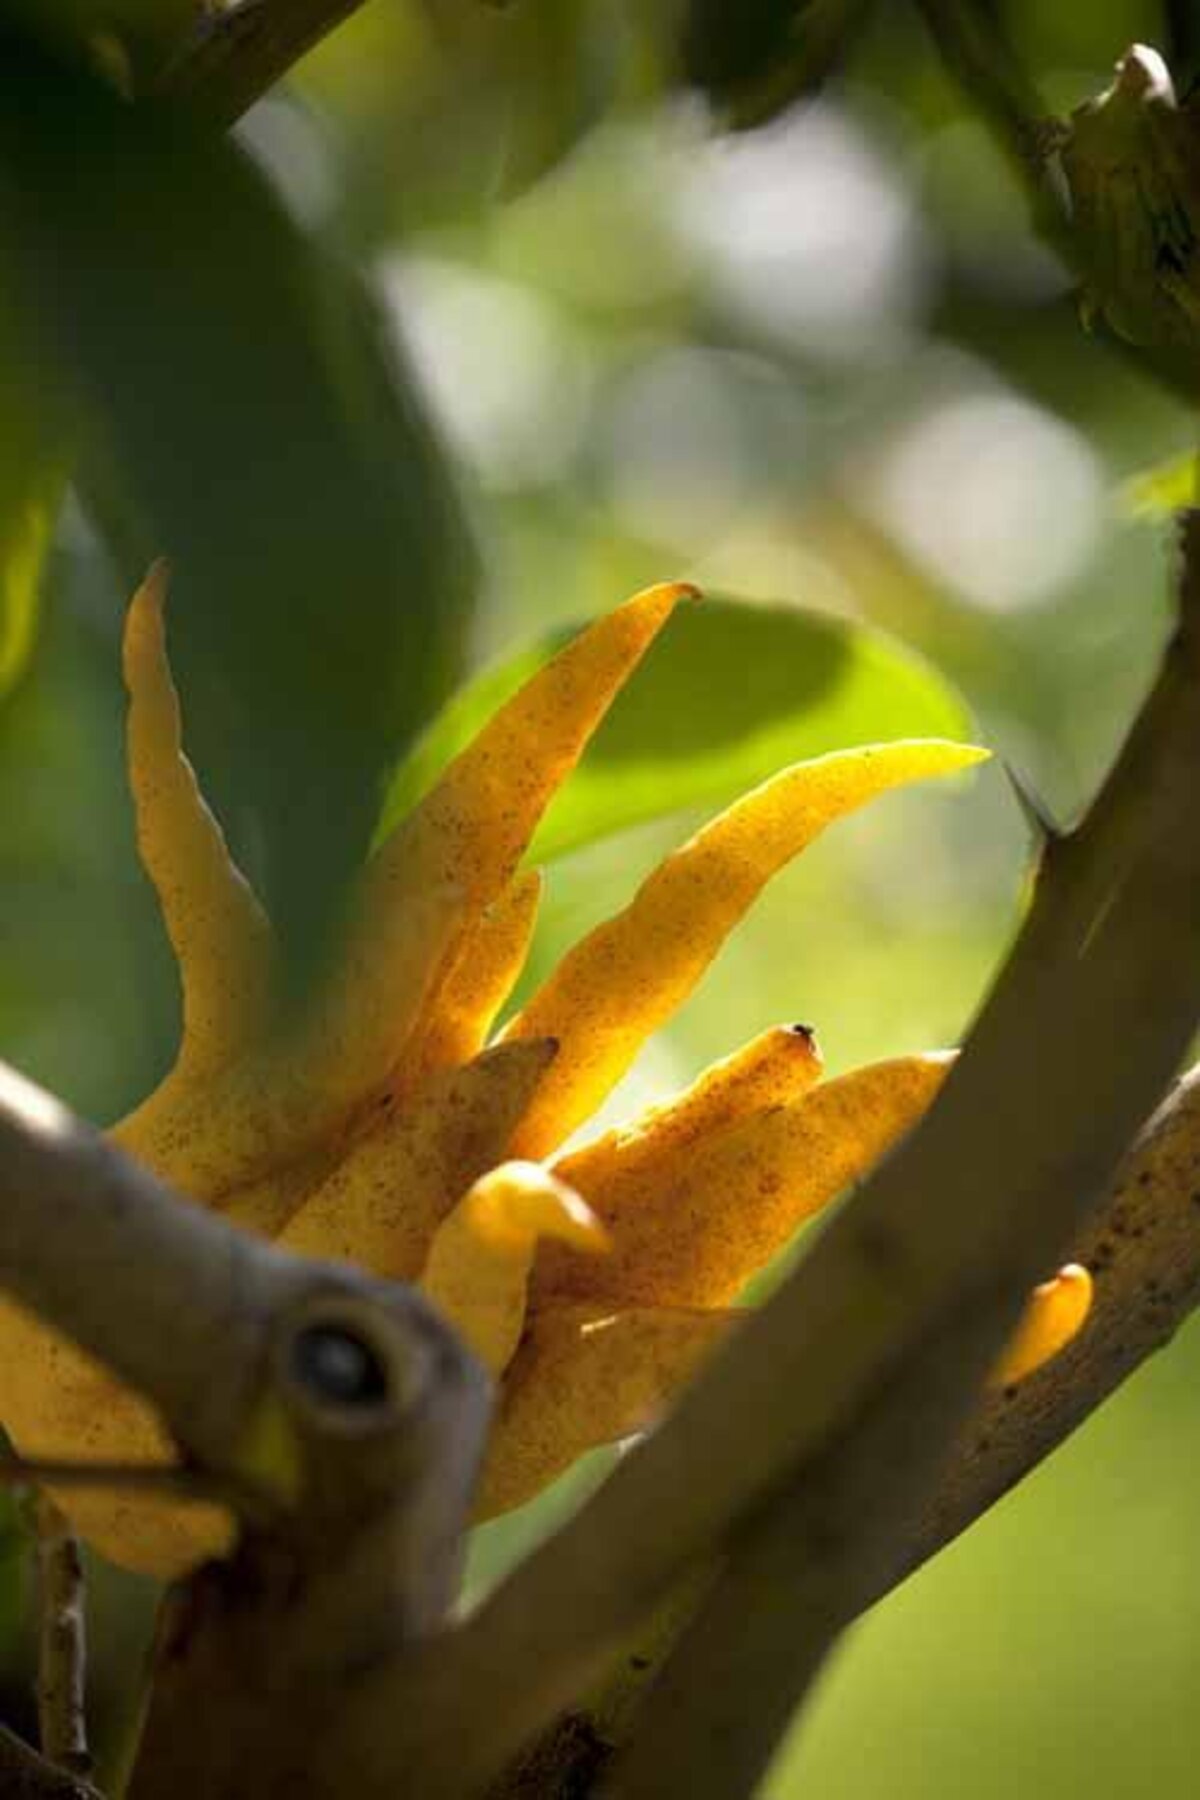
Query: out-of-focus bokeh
(823,363)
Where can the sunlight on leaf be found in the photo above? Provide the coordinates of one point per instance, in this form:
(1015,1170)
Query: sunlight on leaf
(731,693)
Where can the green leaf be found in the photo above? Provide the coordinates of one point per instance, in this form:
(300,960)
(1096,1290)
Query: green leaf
(730,692)
(242,412)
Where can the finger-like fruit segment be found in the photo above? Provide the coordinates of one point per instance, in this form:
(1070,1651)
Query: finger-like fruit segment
(1055,1312)
(219,933)
(478,1266)
(461,1011)
(693,1230)
(461,846)
(266,1206)
(627,977)
(391,1190)
(388,970)
(474,825)
(777,1066)
(273,1107)
(218,930)
(60,1405)
(582,1378)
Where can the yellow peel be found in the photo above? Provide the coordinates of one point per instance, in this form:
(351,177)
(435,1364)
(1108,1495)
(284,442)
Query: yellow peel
(278,1104)
(778,1065)
(60,1405)
(1055,1313)
(465,838)
(387,972)
(218,931)
(478,1266)
(391,1190)
(625,979)
(693,1229)
(266,1206)
(584,1377)
(474,825)
(375,1131)
(460,1013)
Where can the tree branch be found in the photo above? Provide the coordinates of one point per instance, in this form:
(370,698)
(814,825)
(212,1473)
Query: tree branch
(894,1316)
(975,50)
(236,54)
(980,58)
(372,1480)
(1143,1248)
(128,1268)
(62,1643)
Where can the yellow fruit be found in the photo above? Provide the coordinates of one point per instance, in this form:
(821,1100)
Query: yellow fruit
(382,1129)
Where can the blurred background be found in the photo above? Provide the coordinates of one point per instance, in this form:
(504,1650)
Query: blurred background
(822,363)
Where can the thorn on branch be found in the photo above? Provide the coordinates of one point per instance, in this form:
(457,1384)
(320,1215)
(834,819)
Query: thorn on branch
(1045,828)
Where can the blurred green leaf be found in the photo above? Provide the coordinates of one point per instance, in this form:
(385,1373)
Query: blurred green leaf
(1157,492)
(245,414)
(480,100)
(32,461)
(122,39)
(728,694)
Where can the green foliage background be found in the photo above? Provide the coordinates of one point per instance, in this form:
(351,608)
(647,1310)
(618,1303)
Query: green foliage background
(821,366)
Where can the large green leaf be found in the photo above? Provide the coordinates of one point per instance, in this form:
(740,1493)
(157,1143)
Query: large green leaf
(730,692)
(240,410)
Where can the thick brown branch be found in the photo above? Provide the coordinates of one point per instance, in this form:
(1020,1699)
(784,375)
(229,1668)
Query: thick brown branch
(372,1480)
